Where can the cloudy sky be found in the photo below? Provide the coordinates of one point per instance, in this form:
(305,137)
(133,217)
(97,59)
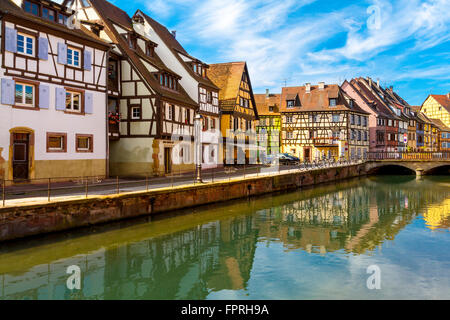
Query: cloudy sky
(404,43)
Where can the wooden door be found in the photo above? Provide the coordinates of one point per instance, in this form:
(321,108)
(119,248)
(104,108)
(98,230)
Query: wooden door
(307,153)
(167,160)
(20,156)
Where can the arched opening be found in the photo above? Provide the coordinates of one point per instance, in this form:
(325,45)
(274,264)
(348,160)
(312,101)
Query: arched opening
(439,171)
(391,170)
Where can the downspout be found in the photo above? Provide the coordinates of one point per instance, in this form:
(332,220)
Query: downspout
(106,114)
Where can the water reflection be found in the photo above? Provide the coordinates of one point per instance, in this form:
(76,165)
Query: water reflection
(213,251)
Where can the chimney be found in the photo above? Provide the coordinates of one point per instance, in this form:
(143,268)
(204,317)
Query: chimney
(391,88)
(174,33)
(448,95)
(308,87)
(370,81)
(378,82)
(321,85)
(267,93)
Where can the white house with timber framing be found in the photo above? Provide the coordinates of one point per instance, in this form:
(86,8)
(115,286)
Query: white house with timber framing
(53,94)
(154,135)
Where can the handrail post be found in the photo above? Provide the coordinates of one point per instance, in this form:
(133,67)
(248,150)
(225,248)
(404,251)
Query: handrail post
(4,192)
(48,190)
(146,181)
(117,184)
(87,187)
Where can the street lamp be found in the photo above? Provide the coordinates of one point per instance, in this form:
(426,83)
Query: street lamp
(198,147)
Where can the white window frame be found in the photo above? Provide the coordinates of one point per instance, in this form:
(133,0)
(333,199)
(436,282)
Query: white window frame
(73,49)
(23,104)
(132,113)
(72,94)
(26,36)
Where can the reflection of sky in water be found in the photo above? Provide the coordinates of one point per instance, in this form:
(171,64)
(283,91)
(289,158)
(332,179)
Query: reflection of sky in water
(413,266)
(311,244)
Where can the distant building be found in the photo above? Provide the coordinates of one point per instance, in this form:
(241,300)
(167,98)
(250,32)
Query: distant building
(238,107)
(322,121)
(437,107)
(443,135)
(268,127)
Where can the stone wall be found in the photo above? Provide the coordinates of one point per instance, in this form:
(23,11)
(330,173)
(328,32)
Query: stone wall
(27,220)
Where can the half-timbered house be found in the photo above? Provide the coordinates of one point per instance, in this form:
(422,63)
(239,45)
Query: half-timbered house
(268,126)
(322,121)
(238,107)
(53,94)
(156,126)
(194,80)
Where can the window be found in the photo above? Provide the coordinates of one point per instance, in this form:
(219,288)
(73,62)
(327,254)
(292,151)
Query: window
(24,95)
(352,119)
(73,101)
(288,119)
(25,44)
(290,103)
(169,112)
(84,143)
(73,57)
(149,50)
(136,112)
(48,14)
(62,19)
(213,123)
(32,8)
(336,117)
(333,102)
(270,109)
(205,123)
(85,3)
(289,135)
(208,97)
(56,142)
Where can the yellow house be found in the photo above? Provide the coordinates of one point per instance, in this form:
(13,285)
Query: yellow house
(238,108)
(437,107)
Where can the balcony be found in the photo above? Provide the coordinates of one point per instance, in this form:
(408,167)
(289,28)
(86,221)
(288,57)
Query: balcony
(114,132)
(326,142)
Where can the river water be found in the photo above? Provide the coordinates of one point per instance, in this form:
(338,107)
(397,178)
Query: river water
(315,243)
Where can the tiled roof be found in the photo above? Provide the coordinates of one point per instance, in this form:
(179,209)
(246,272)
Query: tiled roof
(227,76)
(438,123)
(176,47)
(263,103)
(317,99)
(9,7)
(111,14)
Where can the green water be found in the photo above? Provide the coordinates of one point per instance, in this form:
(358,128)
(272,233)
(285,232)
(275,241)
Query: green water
(308,244)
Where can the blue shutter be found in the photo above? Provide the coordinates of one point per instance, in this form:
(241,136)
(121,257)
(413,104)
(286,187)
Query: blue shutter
(88,103)
(43,48)
(60,99)
(62,53)
(44,96)
(8,91)
(87,60)
(10,39)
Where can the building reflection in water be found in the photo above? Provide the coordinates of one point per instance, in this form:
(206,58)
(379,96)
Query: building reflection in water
(354,218)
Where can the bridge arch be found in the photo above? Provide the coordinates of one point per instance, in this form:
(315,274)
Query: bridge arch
(390,168)
(443,169)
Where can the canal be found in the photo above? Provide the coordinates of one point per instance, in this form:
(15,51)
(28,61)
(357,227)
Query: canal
(314,243)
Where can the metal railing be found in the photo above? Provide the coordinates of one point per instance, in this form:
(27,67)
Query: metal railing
(409,156)
(48,189)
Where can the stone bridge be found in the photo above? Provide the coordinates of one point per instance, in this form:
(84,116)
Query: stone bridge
(421,163)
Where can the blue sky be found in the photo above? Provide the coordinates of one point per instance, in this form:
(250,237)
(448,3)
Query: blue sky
(404,43)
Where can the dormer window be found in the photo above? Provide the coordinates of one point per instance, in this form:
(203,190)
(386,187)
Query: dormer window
(290,103)
(48,14)
(31,7)
(131,41)
(85,3)
(333,103)
(168,81)
(149,50)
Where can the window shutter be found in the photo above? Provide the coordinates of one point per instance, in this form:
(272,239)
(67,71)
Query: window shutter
(44,96)
(62,53)
(7,91)
(87,60)
(88,103)
(10,39)
(43,48)
(60,101)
